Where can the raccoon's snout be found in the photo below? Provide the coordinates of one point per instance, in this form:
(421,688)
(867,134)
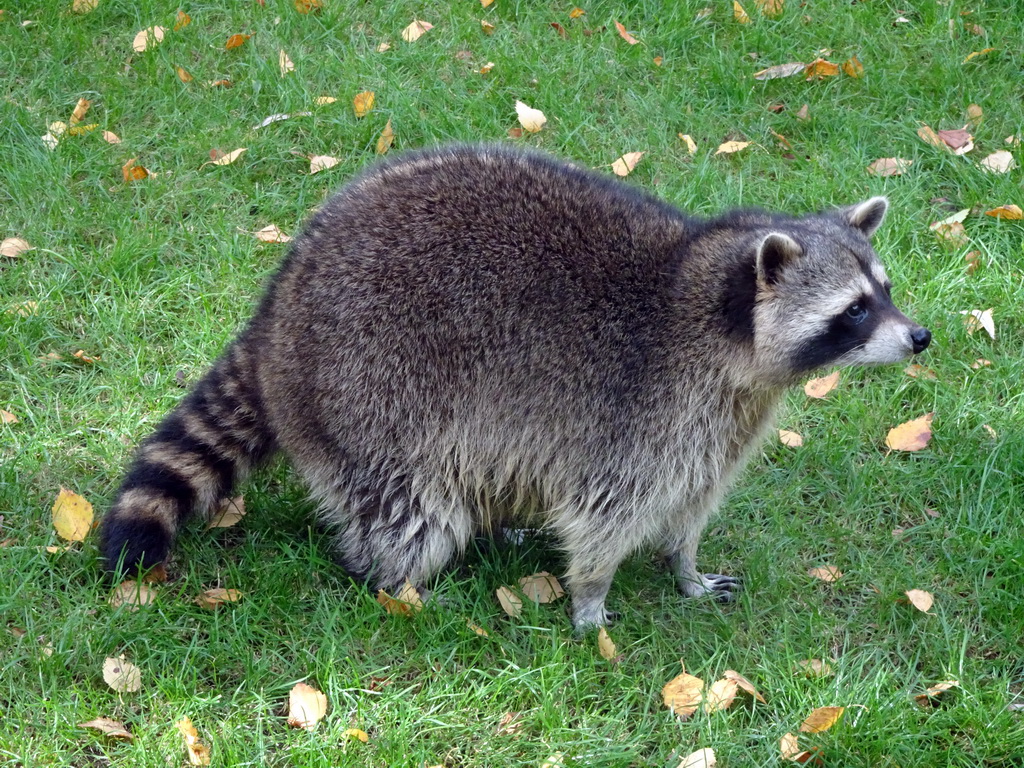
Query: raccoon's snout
(921,338)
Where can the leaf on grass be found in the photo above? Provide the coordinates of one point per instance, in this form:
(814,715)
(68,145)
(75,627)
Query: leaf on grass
(625,164)
(183,75)
(362,103)
(557,760)
(605,645)
(511,603)
(918,371)
(84,6)
(269,234)
(487,27)
(1009,212)
(132,594)
(920,599)
(559,29)
(780,70)
(575,13)
(804,113)
(827,573)
(729,147)
(486,67)
(1000,161)
(477,629)
(386,139)
(813,668)
(236,41)
(406,603)
(819,388)
(959,140)
(683,694)
(356,733)
(486,3)
(541,587)
(13,247)
(198,753)
(951,229)
(929,136)
(981,362)
(720,695)
(974,115)
(307,6)
(319,163)
(230,511)
(889,166)
(976,54)
(790,439)
(744,684)
(912,435)
(935,691)
(821,719)
(79,111)
(148,38)
(416,30)
(625,35)
(739,14)
(182,20)
(284,64)
(49,141)
(227,158)
(221,84)
(122,675)
(853,67)
(531,119)
(702,758)
(72,516)
(975,319)
(212,599)
(790,750)
(132,172)
(770,8)
(112,728)
(6,417)
(306,706)
(973,259)
(82,357)
(820,68)
(321,101)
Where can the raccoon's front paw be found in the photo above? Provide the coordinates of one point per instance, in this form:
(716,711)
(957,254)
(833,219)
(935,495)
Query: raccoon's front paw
(586,620)
(722,587)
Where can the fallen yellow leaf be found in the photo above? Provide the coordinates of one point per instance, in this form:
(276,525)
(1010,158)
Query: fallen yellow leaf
(363,103)
(355,733)
(132,594)
(407,602)
(790,439)
(386,139)
(323,100)
(284,64)
(306,706)
(780,70)
(112,728)
(975,54)
(821,719)
(13,247)
(920,599)
(72,516)
(6,417)
(541,587)
(691,145)
(236,41)
(683,694)
(720,695)
(230,511)
(575,13)
(487,27)
(133,172)
(819,388)
(183,75)
(319,163)
(1000,161)
(744,684)
(889,166)
(511,603)
(814,668)
(531,119)
(605,645)
(935,691)
(702,758)
(147,38)
(819,68)
(625,164)
(729,147)
(198,753)
(182,20)
(84,6)
(911,435)
(771,8)
(306,6)
(227,158)
(739,14)
(416,30)
(122,675)
(625,35)
(79,112)
(214,598)
(270,234)
(853,67)
(827,573)
(1009,212)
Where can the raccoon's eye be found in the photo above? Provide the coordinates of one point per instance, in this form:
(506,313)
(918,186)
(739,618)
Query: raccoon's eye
(857,312)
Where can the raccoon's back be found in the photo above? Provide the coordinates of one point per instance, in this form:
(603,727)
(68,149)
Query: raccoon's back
(466,289)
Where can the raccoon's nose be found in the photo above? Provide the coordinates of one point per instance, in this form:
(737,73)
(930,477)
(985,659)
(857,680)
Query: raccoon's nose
(921,337)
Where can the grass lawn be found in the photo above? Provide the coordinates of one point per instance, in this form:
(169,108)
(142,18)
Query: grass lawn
(155,276)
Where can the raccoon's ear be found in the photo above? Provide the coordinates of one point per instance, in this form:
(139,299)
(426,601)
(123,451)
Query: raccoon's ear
(774,253)
(867,216)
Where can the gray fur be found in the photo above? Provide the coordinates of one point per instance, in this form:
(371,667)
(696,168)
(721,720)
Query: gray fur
(468,335)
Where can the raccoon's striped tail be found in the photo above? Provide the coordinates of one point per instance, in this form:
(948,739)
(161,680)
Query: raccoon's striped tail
(197,454)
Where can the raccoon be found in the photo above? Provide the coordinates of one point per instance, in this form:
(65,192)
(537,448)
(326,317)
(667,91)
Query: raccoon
(467,334)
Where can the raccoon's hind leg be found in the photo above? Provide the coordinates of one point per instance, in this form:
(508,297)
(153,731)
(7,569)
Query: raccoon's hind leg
(197,454)
(681,554)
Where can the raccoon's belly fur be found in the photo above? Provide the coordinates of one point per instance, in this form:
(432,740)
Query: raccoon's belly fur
(465,333)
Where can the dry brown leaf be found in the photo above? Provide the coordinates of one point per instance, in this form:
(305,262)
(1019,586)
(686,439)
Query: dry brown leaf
(804,113)
(889,166)
(406,603)
(770,8)
(384,46)
(911,435)
(81,356)
(559,29)
(952,233)
(487,27)
(416,30)
(820,68)
(306,706)
(1010,212)
(739,14)
(827,573)
(918,371)
(683,694)
(198,753)
(307,6)
(744,684)
(821,719)
(780,70)
(6,417)
(386,139)
(531,119)
(625,35)
(227,517)
(720,695)
(122,675)
(541,587)
(362,103)
(356,733)
(132,594)
(79,112)
(625,164)
(790,750)
(853,67)
(182,20)
(729,147)
(230,511)
(214,598)
(84,6)
(920,599)
(973,259)
(935,691)
(790,439)
(575,13)
(814,668)
(284,64)
(148,38)
(605,645)
(702,758)
(486,67)
(108,727)
(236,41)
(72,516)
(976,319)
(959,140)
(819,388)
(319,163)
(183,75)
(511,603)
(976,54)
(132,172)
(13,247)
(221,84)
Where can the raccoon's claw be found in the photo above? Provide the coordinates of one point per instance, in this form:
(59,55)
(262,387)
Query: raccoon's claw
(720,586)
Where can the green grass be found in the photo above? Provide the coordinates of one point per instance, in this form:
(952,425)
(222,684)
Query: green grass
(155,277)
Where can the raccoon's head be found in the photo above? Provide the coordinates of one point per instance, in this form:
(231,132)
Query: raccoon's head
(823,298)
